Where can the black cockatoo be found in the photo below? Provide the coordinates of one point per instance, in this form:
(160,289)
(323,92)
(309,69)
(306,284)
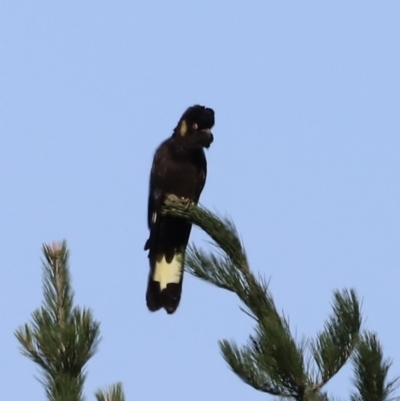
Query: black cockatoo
(179,170)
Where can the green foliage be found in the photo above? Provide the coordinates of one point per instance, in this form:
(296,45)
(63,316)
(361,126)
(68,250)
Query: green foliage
(115,393)
(371,371)
(273,361)
(61,337)
(335,344)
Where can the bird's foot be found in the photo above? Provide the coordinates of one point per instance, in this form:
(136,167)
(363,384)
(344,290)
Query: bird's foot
(173,198)
(186,202)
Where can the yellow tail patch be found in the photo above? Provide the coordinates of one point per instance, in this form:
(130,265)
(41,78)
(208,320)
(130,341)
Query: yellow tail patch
(166,273)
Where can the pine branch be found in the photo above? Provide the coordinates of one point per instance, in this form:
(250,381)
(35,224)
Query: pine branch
(371,371)
(61,337)
(336,343)
(272,362)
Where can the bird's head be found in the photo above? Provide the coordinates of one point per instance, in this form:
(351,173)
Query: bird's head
(194,128)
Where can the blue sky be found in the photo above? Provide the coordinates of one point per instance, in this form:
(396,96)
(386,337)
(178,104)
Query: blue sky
(305,161)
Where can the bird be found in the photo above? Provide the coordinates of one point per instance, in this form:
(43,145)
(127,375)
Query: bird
(179,170)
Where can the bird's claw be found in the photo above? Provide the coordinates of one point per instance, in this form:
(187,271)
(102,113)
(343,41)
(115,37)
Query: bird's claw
(187,202)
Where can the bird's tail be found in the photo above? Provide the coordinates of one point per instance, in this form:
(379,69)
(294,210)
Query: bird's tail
(165,282)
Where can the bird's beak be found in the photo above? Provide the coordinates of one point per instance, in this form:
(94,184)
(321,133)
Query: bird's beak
(210,137)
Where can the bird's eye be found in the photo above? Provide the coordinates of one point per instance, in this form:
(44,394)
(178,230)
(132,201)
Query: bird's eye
(195,126)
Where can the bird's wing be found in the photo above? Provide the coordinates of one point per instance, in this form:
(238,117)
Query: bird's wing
(156,187)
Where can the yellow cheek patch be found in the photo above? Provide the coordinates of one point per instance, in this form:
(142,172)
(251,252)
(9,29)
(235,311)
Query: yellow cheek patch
(183,128)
